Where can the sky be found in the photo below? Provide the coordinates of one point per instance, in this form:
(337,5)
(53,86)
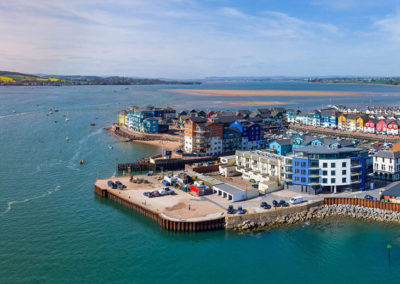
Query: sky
(201,38)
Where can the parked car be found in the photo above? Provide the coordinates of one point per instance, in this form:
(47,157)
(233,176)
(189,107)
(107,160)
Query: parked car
(285,204)
(265,205)
(147,193)
(296,200)
(118,183)
(369,197)
(230,209)
(156,193)
(255,185)
(275,203)
(282,202)
(241,210)
(110,183)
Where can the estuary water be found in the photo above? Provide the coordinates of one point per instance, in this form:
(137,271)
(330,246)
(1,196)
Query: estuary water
(54,229)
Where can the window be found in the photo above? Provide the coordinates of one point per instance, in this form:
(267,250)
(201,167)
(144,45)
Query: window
(324,173)
(303,172)
(296,178)
(344,180)
(333,165)
(333,180)
(303,180)
(303,164)
(333,173)
(325,165)
(343,164)
(296,164)
(296,171)
(324,180)
(344,172)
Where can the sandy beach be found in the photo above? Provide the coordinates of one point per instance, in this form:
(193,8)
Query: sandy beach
(262,92)
(169,145)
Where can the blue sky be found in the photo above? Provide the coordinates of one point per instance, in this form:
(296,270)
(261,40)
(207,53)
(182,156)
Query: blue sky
(200,38)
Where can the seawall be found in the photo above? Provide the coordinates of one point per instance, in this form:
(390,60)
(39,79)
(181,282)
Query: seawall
(164,221)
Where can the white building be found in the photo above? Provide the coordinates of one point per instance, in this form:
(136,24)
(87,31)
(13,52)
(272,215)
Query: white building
(227,166)
(263,167)
(234,193)
(386,165)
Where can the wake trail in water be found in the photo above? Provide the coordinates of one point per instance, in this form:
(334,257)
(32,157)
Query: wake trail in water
(72,163)
(11,203)
(16,114)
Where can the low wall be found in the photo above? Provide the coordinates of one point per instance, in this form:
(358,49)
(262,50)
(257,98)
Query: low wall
(164,221)
(266,218)
(363,202)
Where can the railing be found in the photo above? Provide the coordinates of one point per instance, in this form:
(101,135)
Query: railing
(362,202)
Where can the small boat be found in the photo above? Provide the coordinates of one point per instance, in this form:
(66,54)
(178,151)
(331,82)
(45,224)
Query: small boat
(14,111)
(67,119)
(110,147)
(55,121)
(81,162)
(92,124)
(56,110)
(67,138)
(97,117)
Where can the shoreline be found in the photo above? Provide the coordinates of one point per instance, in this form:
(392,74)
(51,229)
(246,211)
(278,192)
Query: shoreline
(160,140)
(244,93)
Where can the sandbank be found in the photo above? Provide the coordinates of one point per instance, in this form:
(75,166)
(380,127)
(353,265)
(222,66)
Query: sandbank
(263,92)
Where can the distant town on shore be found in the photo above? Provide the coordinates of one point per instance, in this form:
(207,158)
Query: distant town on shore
(8,78)
(20,79)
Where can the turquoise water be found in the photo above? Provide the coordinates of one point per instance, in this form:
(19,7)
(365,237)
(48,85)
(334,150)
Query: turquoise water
(54,229)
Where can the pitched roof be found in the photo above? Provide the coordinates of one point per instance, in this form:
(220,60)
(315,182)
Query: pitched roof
(388,154)
(393,191)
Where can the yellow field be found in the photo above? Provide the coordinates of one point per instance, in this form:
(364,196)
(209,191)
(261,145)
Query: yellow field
(7,79)
(48,79)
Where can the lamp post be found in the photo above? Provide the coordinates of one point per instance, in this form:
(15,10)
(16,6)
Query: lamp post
(389,247)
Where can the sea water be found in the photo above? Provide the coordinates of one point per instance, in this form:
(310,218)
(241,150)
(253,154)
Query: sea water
(54,229)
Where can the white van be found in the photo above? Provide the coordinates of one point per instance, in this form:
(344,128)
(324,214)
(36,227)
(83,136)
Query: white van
(296,200)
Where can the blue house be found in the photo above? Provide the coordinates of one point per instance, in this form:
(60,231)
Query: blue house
(301,141)
(150,125)
(281,147)
(135,118)
(251,133)
(316,118)
(329,117)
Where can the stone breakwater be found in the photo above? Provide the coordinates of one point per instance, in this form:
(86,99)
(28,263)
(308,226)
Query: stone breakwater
(267,221)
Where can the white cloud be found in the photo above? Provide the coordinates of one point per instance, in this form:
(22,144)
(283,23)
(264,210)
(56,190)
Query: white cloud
(390,26)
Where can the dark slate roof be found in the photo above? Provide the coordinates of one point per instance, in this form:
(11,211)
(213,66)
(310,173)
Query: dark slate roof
(393,191)
(388,154)
(328,112)
(284,142)
(319,149)
(197,119)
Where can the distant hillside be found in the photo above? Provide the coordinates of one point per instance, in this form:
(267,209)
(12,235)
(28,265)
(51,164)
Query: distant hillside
(19,79)
(395,81)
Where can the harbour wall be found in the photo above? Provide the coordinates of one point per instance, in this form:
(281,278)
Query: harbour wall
(164,221)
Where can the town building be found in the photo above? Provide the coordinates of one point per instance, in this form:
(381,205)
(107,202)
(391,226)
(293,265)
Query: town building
(318,168)
(386,165)
(263,167)
(203,137)
(251,134)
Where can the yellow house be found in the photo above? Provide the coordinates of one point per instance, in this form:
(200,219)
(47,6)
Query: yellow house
(342,122)
(360,124)
(121,117)
(351,122)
